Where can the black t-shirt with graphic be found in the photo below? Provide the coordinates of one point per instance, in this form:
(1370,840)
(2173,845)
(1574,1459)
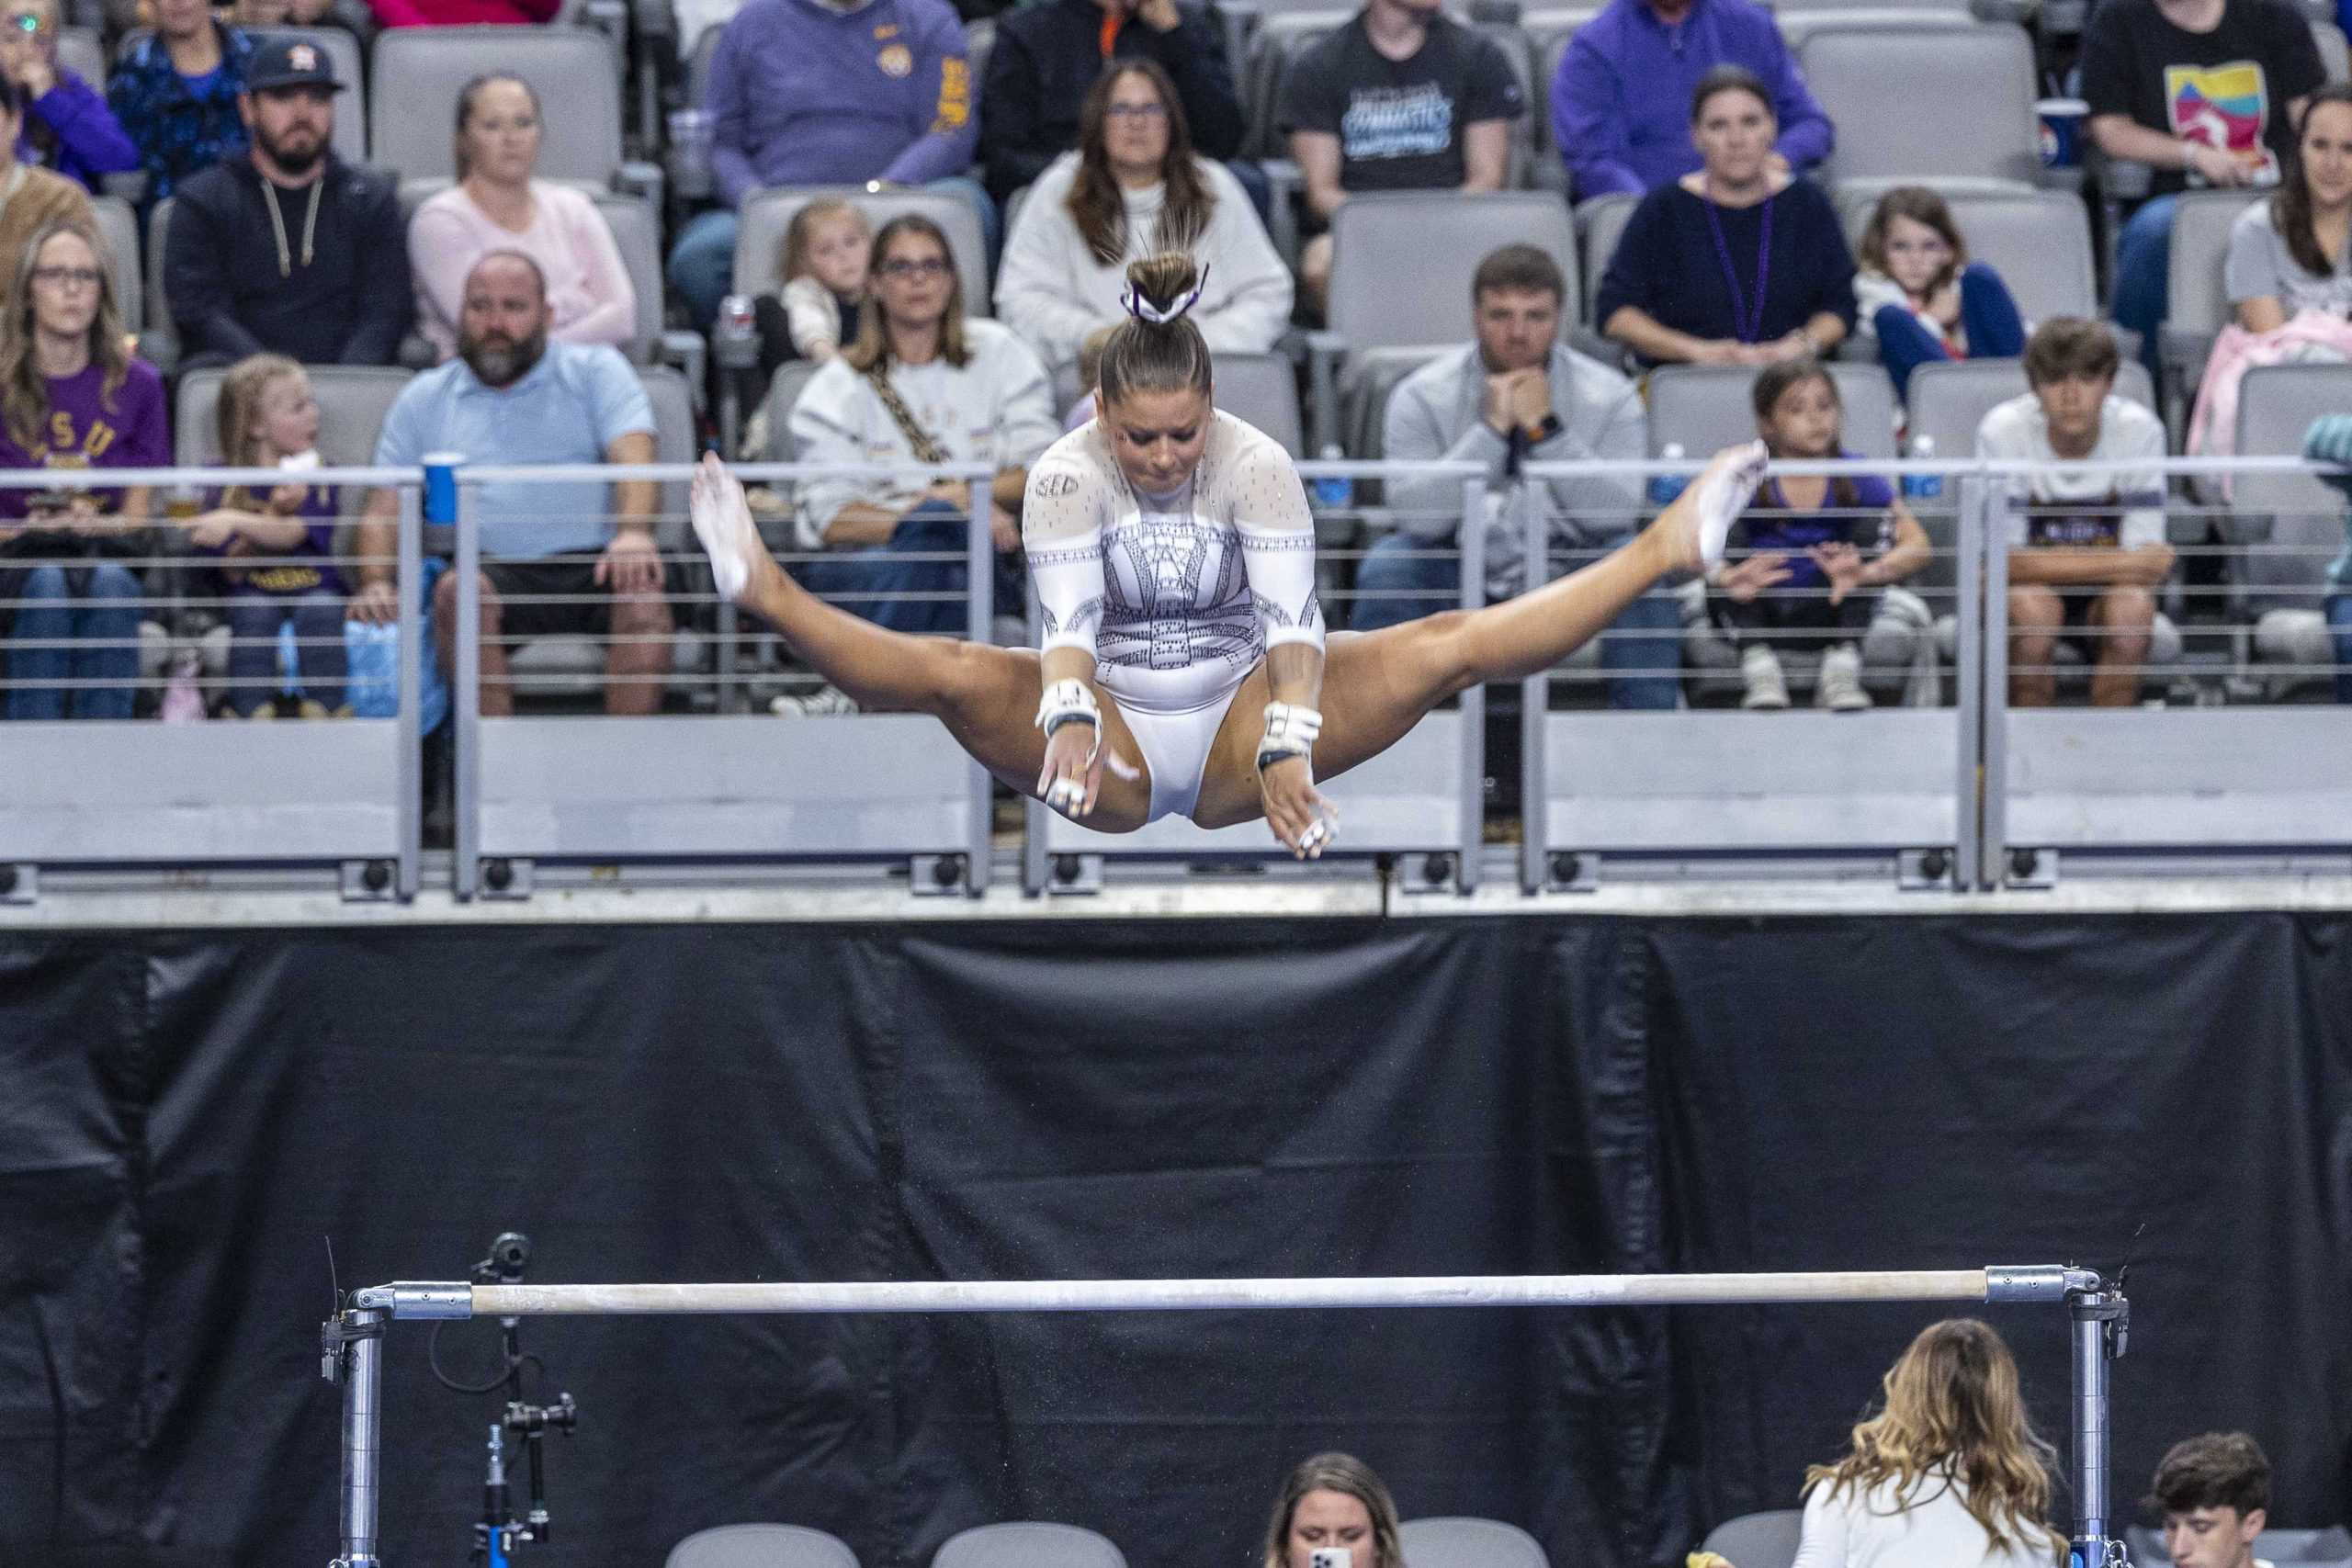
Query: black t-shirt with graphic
(1399,122)
(2228,88)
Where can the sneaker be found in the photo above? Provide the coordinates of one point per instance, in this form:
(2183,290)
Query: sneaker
(825,702)
(1759,667)
(1839,686)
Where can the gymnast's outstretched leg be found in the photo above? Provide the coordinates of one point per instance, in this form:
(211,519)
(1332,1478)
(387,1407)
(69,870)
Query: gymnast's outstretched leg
(1377,685)
(986,697)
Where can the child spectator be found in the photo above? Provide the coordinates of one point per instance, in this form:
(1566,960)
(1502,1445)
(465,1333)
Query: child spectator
(827,247)
(1822,546)
(268,419)
(1922,296)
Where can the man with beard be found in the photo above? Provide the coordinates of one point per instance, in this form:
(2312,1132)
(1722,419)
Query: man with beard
(288,249)
(563,559)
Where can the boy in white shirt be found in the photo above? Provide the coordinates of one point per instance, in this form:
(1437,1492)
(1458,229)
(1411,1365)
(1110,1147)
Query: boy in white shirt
(2214,1493)
(2087,548)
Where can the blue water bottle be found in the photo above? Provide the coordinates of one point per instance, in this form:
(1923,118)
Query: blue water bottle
(1664,488)
(1923,487)
(1334,493)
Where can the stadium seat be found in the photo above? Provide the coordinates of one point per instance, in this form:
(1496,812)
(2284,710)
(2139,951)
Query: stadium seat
(1799,24)
(761,1546)
(159,344)
(2198,305)
(352,402)
(1549,34)
(1760,1541)
(1867,79)
(1468,1543)
(759,237)
(79,52)
(2040,242)
(1028,1545)
(420,71)
(119,226)
(1704,408)
(1600,223)
(2334,56)
(1365,387)
(350,140)
(2300,523)
(791,379)
(1263,389)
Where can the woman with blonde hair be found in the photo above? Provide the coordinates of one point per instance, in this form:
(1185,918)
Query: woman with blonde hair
(1948,1474)
(1333,1502)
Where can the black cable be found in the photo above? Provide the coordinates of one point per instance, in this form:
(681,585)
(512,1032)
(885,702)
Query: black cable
(433,1359)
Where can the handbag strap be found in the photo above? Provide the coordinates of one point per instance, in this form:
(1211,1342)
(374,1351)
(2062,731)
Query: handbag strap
(919,440)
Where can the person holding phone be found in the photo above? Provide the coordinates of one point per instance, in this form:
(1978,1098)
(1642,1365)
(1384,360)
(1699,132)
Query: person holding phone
(1333,1513)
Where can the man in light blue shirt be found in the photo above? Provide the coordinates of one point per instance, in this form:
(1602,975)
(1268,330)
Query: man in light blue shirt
(558,558)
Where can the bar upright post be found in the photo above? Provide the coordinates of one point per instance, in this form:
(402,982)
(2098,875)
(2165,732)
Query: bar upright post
(354,1352)
(2101,1318)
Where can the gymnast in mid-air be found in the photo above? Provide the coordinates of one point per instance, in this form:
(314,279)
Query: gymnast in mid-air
(1184,668)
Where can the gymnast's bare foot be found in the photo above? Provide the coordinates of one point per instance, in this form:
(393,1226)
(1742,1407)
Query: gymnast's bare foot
(723,522)
(1717,497)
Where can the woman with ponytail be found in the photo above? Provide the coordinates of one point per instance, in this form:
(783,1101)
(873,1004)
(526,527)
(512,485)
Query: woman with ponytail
(1184,653)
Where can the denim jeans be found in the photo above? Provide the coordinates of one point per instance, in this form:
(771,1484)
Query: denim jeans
(254,620)
(2339,623)
(1642,663)
(1988,314)
(97,603)
(702,264)
(2144,274)
(872,571)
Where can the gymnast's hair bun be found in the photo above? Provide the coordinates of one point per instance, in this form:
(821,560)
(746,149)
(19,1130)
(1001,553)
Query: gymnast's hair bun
(1162,287)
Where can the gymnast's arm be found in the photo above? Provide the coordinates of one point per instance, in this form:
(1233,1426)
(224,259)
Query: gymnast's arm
(1061,529)
(1278,555)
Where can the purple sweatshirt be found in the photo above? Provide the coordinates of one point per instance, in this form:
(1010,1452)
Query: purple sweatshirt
(89,141)
(1621,104)
(802,95)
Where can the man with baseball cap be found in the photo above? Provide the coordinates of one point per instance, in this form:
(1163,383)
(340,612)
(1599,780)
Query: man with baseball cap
(288,249)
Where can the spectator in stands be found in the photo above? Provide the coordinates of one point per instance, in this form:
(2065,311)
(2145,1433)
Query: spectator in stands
(290,250)
(1618,97)
(805,92)
(1333,1502)
(2214,1494)
(178,93)
(1047,56)
(67,125)
(496,205)
(269,16)
(1402,98)
(1949,1471)
(1921,294)
(1516,394)
(1135,188)
(2087,549)
(268,419)
(1739,264)
(558,558)
(922,385)
(2290,254)
(2204,91)
(2329,440)
(72,397)
(827,248)
(36,199)
(1818,548)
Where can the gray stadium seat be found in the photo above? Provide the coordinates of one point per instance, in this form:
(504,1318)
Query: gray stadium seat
(1760,1541)
(352,402)
(1468,1543)
(350,139)
(1028,1545)
(761,1546)
(1799,24)
(2297,525)
(1263,389)
(119,226)
(1365,387)
(1376,303)
(1704,408)
(159,344)
(2198,305)
(1549,34)
(759,239)
(2038,241)
(1867,79)
(1600,223)
(784,390)
(419,72)
(79,51)
(2334,57)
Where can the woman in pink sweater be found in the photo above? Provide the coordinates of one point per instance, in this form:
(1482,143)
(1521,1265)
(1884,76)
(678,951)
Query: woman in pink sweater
(497,206)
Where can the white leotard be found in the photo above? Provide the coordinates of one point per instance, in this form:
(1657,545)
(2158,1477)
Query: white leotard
(1177,597)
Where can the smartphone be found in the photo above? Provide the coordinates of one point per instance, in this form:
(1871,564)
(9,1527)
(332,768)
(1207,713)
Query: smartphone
(1330,1557)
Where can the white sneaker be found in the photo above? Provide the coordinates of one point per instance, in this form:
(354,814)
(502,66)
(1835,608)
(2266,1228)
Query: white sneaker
(825,702)
(1718,496)
(1759,667)
(723,522)
(1839,685)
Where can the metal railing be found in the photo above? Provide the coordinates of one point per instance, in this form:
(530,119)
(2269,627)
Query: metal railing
(2233,757)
